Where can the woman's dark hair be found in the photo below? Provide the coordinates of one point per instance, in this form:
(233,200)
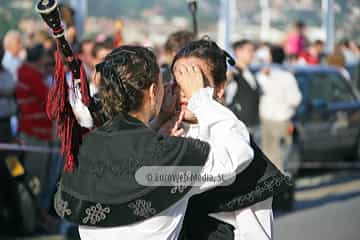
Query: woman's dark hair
(125,73)
(210,52)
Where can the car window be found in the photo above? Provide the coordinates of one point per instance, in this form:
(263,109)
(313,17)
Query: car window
(320,87)
(342,91)
(330,87)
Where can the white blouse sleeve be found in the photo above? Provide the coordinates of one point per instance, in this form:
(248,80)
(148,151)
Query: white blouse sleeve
(230,150)
(81,112)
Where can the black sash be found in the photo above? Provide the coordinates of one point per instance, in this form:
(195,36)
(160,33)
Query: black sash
(259,181)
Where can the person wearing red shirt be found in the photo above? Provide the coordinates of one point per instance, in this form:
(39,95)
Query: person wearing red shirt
(31,94)
(34,126)
(313,54)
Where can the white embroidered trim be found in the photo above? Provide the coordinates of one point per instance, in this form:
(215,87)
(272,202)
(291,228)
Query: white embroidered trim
(61,207)
(96,214)
(142,208)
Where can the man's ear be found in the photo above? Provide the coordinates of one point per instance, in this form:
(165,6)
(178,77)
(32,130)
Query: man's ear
(220,90)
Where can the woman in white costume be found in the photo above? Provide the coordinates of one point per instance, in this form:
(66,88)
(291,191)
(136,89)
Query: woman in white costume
(247,203)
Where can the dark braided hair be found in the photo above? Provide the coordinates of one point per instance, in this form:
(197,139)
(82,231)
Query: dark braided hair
(210,52)
(125,73)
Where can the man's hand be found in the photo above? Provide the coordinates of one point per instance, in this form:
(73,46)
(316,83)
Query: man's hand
(189,78)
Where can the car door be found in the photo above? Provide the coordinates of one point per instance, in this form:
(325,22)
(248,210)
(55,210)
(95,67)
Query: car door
(314,116)
(345,107)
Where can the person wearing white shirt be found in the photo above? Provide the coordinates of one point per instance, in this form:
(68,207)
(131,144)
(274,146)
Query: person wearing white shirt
(279,100)
(141,218)
(12,60)
(242,94)
(238,210)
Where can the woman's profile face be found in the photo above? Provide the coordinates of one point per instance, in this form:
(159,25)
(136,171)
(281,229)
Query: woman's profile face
(159,95)
(208,82)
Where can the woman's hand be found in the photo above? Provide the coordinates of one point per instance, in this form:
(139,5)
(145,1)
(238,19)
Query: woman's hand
(173,126)
(189,78)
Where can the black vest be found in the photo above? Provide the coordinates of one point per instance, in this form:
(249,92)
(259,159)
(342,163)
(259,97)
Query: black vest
(248,99)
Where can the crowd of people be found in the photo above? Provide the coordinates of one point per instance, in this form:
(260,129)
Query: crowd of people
(264,101)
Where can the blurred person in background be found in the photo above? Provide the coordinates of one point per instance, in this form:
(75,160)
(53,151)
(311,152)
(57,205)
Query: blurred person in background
(7,100)
(175,42)
(296,40)
(12,57)
(350,52)
(278,102)
(49,67)
(71,37)
(242,94)
(35,127)
(337,60)
(118,37)
(262,53)
(313,54)
(99,52)
(86,57)
(44,38)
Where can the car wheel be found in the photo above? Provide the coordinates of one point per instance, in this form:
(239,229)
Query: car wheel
(292,160)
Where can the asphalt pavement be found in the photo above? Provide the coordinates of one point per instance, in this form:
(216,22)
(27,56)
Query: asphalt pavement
(327,207)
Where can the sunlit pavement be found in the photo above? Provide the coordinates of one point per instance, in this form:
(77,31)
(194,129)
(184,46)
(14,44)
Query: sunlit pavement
(326,208)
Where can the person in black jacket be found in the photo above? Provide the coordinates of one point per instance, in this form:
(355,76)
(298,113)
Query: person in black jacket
(243,92)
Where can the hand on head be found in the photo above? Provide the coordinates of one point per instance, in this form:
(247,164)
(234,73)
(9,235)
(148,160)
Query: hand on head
(189,78)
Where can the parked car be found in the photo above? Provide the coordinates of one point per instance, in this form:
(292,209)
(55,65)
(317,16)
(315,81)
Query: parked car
(354,70)
(326,126)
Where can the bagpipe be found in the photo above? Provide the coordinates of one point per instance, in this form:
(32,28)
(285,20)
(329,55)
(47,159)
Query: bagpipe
(58,107)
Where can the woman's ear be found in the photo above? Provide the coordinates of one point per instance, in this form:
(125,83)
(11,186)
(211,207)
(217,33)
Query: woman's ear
(152,91)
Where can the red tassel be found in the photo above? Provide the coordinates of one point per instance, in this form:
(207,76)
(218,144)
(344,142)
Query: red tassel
(57,94)
(58,108)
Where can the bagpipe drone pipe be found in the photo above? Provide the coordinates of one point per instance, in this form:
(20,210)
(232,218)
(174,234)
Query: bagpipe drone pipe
(58,107)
